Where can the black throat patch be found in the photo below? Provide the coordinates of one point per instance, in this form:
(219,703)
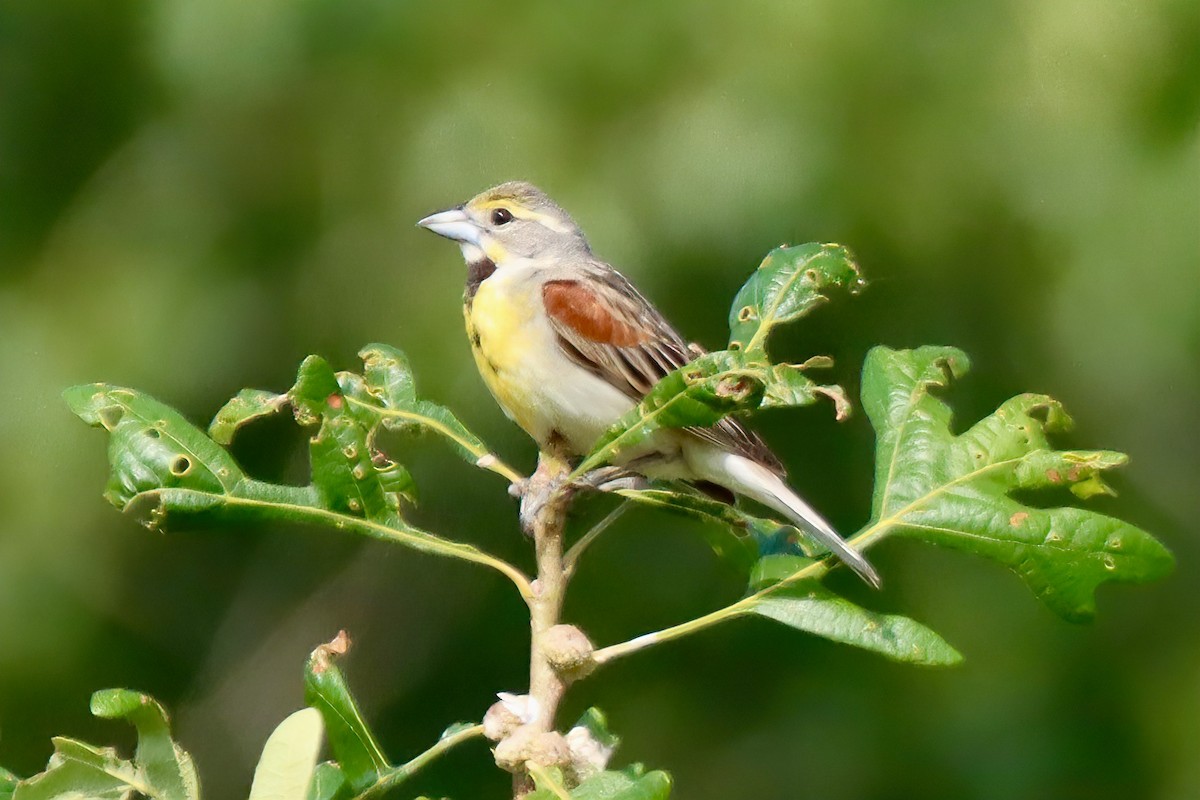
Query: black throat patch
(478,272)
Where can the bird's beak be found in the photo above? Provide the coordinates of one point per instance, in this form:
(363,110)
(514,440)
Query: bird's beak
(453,224)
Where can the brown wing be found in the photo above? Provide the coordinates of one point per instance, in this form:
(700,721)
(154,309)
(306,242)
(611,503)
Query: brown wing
(607,327)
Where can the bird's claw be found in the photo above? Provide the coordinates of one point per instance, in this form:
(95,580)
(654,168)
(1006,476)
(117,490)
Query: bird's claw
(611,479)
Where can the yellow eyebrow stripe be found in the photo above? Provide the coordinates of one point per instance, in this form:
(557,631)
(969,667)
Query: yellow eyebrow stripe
(521,212)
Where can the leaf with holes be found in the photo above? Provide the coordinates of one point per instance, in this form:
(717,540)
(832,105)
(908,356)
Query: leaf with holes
(166,471)
(160,768)
(787,385)
(788,284)
(349,473)
(389,382)
(957,491)
(699,395)
(154,453)
(244,407)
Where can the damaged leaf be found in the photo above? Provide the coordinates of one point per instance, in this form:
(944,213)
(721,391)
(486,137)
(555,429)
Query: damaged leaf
(957,491)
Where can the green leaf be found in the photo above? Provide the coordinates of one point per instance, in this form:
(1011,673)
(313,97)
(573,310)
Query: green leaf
(354,745)
(626,784)
(78,770)
(810,607)
(549,783)
(699,394)
(163,467)
(734,535)
(787,386)
(246,406)
(152,446)
(342,453)
(389,380)
(8,784)
(289,758)
(956,491)
(772,569)
(328,782)
(159,768)
(164,764)
(788,284)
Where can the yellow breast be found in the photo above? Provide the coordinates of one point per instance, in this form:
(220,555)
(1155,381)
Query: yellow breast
(500,323)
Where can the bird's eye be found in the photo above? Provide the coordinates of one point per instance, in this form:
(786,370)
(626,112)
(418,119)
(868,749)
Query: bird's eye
(501,216)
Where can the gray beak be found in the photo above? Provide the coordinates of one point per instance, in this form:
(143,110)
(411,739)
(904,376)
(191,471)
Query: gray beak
(453,224)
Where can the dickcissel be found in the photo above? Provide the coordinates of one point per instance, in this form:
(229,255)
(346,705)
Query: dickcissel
(567,346)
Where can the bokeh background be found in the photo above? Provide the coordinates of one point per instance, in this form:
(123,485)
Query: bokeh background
(195,194)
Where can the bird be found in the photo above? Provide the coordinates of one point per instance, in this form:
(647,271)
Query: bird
(567,346)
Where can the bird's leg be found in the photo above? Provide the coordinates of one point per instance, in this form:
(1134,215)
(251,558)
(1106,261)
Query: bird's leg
(541,490)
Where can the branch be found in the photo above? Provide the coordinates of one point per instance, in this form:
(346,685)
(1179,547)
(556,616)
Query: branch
(163,466)
(395,776)
(287,503)
(742,607)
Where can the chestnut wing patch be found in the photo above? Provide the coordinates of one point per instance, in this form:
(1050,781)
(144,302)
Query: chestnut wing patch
(574,305)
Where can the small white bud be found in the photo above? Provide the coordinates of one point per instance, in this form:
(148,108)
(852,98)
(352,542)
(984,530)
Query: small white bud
(588,755)
(525,706)
(510,713)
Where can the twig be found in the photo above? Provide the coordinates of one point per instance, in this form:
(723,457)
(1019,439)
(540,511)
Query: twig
(572,557)
(732,611)
(397,775)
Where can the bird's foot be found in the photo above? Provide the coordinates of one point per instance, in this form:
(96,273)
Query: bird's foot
(611,479)
(546,491)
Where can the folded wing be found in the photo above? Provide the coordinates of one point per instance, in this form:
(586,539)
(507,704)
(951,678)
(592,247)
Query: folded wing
(606,326)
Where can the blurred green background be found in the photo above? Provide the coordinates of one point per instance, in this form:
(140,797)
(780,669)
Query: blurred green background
(195,194)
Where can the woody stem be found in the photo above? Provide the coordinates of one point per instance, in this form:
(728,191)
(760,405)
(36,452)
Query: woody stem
(544,516)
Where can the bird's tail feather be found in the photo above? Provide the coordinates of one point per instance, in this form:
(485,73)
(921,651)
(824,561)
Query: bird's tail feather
(759,483)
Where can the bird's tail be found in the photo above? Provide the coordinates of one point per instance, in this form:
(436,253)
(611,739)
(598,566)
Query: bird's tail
(758,483)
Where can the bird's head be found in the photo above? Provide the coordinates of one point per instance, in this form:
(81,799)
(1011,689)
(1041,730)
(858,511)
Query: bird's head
(515,220)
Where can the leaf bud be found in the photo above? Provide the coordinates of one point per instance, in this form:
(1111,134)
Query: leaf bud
(569,651)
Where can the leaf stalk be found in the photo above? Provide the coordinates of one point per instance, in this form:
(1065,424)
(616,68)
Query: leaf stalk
(397,775)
